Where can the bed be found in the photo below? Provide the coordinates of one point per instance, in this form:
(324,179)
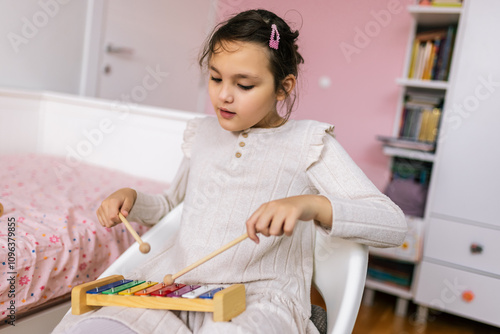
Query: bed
(60,156)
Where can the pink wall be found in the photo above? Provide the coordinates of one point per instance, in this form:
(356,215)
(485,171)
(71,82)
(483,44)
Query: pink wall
(362,97)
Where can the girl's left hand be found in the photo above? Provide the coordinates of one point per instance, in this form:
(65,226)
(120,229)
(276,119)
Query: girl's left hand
(279,217)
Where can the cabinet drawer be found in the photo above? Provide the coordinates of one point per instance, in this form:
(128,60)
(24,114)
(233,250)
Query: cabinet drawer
(459,292)
(466,245)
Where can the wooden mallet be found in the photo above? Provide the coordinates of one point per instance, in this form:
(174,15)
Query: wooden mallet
(144,247)
(170,279)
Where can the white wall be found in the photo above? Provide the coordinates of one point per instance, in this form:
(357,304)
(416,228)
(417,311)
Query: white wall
(57,45)
(42,44)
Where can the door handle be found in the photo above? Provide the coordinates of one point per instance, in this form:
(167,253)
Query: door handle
(119,50)
(476,248)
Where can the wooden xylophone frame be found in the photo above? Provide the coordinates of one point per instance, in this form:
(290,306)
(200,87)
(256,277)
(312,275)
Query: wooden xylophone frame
(225,305)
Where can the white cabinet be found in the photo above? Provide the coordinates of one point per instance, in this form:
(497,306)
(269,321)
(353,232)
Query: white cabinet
(462,244)
(467,180)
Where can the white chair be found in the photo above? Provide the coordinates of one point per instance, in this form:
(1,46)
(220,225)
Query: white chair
(339,270)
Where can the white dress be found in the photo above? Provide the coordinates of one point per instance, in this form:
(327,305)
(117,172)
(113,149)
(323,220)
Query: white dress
(224,177)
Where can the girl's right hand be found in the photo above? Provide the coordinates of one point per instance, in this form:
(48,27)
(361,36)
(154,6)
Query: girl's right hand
(120,201)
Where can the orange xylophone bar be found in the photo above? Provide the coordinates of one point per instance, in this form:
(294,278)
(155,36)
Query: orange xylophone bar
(225,304)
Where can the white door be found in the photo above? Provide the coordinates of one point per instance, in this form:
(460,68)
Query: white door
(149,51)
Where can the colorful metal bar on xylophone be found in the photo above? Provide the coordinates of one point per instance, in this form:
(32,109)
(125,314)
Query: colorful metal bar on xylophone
(225,302)
(143,288)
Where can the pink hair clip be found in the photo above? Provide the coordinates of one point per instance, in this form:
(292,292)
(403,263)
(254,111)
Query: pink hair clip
(274,41)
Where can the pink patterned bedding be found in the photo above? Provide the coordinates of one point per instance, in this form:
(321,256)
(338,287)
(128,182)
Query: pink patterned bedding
(49,208)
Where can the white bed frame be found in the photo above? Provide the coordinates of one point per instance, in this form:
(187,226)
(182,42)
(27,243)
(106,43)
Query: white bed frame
(140,140)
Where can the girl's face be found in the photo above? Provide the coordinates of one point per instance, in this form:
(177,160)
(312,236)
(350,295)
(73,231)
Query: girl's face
(241,87)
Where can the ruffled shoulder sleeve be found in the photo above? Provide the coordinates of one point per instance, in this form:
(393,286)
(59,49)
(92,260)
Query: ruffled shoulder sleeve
(319,133)
(189,135)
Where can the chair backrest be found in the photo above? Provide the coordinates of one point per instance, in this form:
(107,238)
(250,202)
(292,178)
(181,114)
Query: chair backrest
(339,270)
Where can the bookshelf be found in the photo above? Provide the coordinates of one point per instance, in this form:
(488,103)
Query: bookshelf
(414,144)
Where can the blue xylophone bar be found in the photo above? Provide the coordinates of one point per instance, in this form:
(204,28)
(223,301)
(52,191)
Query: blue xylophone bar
(210,294)
(108,286)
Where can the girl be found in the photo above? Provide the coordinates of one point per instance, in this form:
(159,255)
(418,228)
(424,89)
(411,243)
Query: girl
(252,169)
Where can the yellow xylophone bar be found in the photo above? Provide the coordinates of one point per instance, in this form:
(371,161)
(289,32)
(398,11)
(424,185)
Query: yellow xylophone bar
(225,305)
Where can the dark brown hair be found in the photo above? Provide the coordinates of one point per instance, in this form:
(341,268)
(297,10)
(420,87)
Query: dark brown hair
(255,26)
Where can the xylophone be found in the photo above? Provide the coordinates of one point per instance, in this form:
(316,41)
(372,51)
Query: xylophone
(225,302)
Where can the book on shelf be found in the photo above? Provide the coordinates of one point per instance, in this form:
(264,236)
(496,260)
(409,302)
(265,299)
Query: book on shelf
(420,117)
(431,54)
(419,122)
(406,144)
(441,3)
(429,125)
(390,271)
(382,276)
